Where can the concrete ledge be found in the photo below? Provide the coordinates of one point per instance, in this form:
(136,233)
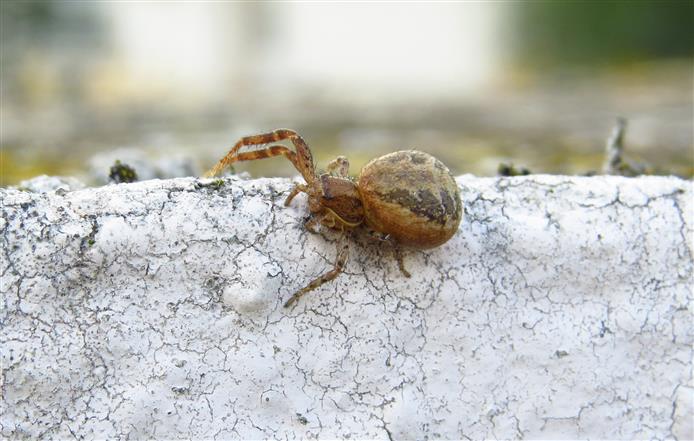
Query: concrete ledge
(561,309)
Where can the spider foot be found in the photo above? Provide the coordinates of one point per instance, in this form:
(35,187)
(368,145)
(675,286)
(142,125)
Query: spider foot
(401,262)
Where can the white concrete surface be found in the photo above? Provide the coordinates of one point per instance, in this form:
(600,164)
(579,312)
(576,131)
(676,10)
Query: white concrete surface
(561,309)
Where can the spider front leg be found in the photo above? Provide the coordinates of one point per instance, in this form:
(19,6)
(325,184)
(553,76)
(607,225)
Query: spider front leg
(268,152)
(302,159)
(340,260)
(339,167)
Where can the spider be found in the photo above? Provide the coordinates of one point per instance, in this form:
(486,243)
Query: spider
(407,198)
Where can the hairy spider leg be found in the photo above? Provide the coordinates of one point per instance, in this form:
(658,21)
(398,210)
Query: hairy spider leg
(302,159)
(341,259)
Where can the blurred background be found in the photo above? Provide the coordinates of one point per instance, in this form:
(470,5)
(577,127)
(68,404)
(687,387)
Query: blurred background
(536,84)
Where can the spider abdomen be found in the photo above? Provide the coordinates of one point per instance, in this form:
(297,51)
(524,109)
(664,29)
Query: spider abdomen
(412,197)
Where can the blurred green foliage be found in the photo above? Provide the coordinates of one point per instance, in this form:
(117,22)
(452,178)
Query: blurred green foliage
(15,166)
(597,33)
(42,21)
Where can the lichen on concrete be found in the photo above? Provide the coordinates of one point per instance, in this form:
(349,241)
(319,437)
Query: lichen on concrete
(562,308)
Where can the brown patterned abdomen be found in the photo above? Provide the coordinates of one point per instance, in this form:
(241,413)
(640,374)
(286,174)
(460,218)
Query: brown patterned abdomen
(411,196)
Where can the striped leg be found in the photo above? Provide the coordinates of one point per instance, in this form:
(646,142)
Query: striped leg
(302,159)
(342,255)
(274,150)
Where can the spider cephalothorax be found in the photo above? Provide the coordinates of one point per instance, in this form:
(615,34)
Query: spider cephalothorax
(408,197)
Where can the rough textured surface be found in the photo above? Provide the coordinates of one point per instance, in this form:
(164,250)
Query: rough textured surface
(562,308)
(45,184)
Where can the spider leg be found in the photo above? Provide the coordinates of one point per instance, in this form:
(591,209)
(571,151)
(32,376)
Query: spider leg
(338,167)
(310,224)
(328,219)
(401,262)
(298,188)
(274,150)
(302,159)
(379,237)
(341,259)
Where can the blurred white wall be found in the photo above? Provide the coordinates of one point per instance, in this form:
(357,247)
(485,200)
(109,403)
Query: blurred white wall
(169,49)
(202,51)
(409,48)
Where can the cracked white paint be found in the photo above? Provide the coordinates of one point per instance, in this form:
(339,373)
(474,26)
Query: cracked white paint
(561,309)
